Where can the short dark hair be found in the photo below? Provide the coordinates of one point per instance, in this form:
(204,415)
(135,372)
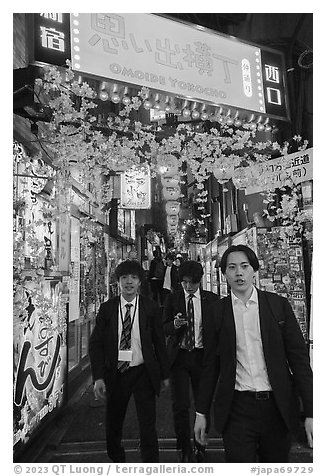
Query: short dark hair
(251,255)
(170,256)
(191,269)
(129,267)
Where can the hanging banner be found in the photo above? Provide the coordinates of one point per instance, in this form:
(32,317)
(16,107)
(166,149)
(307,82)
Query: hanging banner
(185,60)
(40,349)
(136,188)
(296,167)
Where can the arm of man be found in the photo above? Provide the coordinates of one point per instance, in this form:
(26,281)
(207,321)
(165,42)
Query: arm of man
(169,312)
(96,346)
(210,372)
(299,362)
(158,339)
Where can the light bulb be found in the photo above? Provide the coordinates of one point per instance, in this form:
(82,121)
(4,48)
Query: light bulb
(104,95)
(147,104)
(195,114)
(126,100)
(204,116)
(115,98)
(186,112)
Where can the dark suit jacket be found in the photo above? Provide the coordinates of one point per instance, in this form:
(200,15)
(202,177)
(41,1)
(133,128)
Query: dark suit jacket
(175,303)
(103,344)
(286,358)
(175,282)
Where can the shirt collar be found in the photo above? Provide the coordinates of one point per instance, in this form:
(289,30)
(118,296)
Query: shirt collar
(124,302)
(196,294)
(253,297)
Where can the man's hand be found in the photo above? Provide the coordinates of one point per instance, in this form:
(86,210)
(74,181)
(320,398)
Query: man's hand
(179,321)
(199,429)
(309,432)
(99,389)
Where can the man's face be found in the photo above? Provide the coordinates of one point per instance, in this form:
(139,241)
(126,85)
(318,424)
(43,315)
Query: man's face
(189,286)
(129,285)
(169,261)
(239,272)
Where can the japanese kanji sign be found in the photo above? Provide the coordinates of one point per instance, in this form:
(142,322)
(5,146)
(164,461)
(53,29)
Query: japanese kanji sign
(154,51)
(51,38)
(136,188)
(297,167)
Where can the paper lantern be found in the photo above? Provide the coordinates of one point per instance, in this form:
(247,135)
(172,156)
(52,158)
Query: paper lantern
(223,173)
(170,181)
(172,207)
(172,219)
(171,193)
(168,165)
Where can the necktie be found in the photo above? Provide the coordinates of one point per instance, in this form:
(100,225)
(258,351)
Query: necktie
(190,333)
(125,341)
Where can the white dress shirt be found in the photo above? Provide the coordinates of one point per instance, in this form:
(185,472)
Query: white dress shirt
(197,318)
(167,278)
(251,372)
(137,355)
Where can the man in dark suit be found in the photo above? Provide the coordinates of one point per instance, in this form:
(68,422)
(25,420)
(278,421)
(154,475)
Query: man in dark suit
(257,356)
(128,356)
(171,280)
(185,324)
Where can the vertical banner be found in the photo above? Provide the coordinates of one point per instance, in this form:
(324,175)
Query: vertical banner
(40,351)
(74,288)
(136,188)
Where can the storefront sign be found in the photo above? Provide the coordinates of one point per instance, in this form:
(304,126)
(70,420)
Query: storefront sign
(39,356)
(187,61)
(296,167)
(51,38)
(136,188)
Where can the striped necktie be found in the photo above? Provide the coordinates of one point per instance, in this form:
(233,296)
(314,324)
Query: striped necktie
(190,333)
(125,341)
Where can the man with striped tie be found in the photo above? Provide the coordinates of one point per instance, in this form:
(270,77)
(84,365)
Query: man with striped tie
(185,325)
(128,356)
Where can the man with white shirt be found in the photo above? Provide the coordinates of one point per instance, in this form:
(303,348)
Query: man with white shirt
(185,325)
(171,280)
(128,356)
(256,355)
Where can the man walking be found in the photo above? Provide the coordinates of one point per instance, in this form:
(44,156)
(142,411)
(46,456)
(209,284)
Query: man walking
(257,355)
(185,322)
(128,356)
(171,280)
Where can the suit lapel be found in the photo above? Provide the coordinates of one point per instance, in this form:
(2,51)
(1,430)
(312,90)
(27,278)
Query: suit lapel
(112,337)
(265,319)
(229,324)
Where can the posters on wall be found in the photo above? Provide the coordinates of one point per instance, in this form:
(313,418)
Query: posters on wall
(39,356)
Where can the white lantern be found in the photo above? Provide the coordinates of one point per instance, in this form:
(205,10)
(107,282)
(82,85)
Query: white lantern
(172,207)
(168,165)
(170,181)
(172,219)
(171,193)
(223,173)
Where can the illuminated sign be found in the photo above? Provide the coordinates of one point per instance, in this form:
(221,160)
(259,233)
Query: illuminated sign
(136,188)
(40,351)
(296,167)
(51,38)
(186,61)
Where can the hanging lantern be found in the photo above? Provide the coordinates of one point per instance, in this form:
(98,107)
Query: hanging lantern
(172,207)
(223,173)
(172,219)
(171,193)
(170,181)
(168,165)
